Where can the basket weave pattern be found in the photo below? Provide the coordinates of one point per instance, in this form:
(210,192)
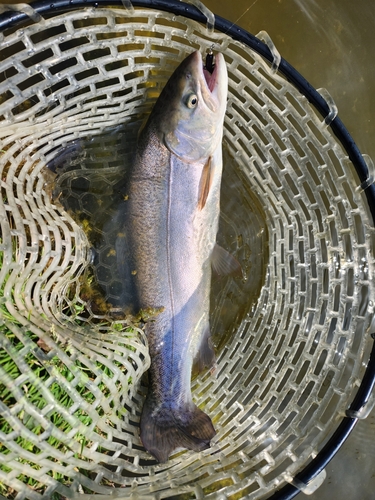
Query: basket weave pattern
(293,357)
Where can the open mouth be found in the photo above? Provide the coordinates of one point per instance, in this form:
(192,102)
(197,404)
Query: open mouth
(210,71)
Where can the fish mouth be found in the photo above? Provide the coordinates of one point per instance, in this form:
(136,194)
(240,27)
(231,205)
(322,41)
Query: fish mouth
(214,83)
(211,77)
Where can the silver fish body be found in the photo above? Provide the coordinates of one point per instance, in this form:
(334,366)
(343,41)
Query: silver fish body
(171,223)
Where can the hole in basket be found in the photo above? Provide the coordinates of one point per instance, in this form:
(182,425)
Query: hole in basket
(38,58)
(52,32)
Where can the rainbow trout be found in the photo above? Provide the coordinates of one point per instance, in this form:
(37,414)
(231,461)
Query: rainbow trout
(171,222)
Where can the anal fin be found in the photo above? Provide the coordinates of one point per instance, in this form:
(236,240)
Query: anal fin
(205,356)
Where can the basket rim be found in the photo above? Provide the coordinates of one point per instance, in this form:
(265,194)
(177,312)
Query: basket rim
(11,18)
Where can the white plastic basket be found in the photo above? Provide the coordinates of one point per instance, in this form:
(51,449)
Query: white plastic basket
(296,341)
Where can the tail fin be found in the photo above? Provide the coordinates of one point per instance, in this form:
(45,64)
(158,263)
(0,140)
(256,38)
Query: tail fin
(164,431)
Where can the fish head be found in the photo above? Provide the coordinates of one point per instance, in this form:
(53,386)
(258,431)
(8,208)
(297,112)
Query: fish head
(191,108)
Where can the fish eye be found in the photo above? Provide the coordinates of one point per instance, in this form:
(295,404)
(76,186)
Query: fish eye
(192,101)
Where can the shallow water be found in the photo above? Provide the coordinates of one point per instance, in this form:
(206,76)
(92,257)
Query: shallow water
(331,43)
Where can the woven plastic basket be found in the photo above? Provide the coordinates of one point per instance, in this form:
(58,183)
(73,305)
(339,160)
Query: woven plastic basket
(293,340)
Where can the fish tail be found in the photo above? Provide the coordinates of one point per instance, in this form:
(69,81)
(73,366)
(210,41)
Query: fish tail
(164,431)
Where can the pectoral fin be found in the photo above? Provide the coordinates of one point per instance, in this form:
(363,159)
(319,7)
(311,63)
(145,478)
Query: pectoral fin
(205,183)
(223,263)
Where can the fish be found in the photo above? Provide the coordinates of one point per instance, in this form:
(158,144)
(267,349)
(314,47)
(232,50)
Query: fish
(168,230)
